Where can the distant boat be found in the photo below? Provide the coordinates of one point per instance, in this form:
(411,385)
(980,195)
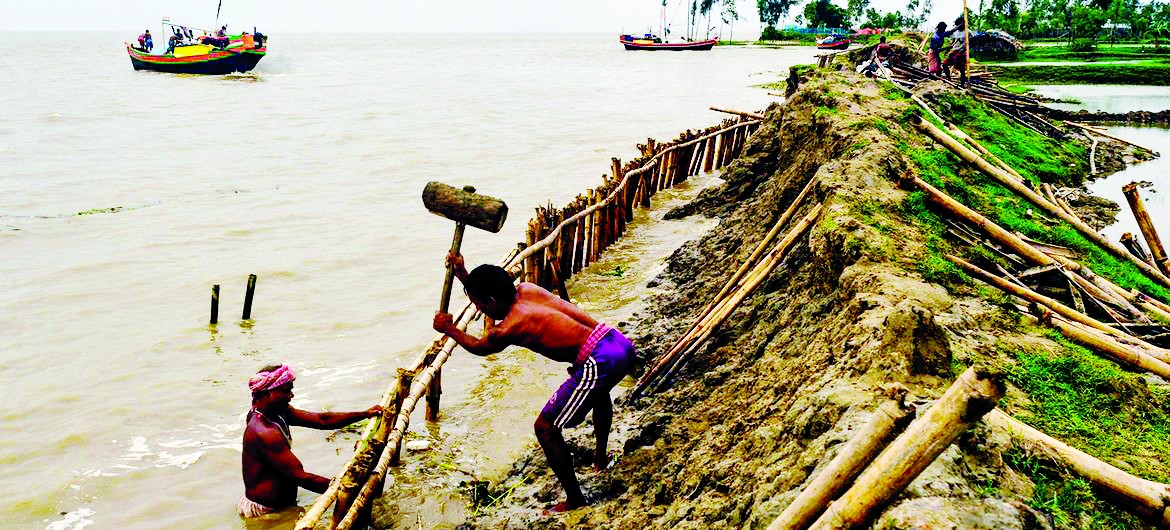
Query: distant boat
(650,42)
(199,59)
(834,42)
(208,54)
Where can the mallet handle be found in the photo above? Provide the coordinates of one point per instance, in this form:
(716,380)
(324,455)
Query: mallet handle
(445,302)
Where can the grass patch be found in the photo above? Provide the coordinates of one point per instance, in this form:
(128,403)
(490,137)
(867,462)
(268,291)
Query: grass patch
(1092,404)
(1139,73)
(1034,155)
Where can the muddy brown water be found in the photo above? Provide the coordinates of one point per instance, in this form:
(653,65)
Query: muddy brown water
(121,409)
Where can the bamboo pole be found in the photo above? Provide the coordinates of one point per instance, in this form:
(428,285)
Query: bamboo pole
(1057,307)
(361,460)
(214,305)
(889,419)
(1146,498)
(971,396)
(971,216)
(753,115)
(434,390)
(1100,132)
(723,309)
(1106,344)
(731,283)
(1146,225)
(709,155)
(1007,180)
(394,439)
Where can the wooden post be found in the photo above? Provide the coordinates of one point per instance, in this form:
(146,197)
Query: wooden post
(590,227)
(405,379)
(885,423)
(434,388)
(1146,498)
(709,155)
(1134,247)
(214,304)
(248,297)
(1147,226)
(529,273)
(579,239)
(971,396)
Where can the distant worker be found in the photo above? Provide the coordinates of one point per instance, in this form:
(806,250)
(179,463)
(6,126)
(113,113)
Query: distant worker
(142,41)
(175,40)
(149,44)
(958,56)
(222,32)
(528,316)
(937,42)
(879,62)
(272,473)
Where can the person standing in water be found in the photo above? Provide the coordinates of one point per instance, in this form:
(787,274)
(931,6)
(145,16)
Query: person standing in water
(272,473)
(528,316)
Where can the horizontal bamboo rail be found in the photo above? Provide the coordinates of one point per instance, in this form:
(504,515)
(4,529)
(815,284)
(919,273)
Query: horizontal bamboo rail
(752,115)
(560,242)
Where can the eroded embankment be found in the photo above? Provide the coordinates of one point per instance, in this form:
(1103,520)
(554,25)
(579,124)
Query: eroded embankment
(866,300)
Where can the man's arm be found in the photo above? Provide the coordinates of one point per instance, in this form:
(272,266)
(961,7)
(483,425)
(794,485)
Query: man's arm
(274,448)
(493,342)
(330,420)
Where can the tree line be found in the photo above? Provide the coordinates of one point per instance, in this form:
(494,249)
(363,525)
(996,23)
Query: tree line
(1073,20)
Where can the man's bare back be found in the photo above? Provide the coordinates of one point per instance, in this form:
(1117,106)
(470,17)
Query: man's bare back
(545,324)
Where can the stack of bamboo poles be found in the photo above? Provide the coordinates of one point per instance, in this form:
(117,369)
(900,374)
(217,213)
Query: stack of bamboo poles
(884,468)
(750,274)
(559,243)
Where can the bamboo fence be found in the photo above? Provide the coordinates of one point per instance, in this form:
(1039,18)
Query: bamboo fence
(559,242)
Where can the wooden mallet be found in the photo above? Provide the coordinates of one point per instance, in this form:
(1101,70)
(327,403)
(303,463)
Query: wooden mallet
(465,207)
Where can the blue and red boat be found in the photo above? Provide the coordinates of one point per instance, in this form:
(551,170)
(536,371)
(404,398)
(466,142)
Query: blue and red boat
(214,56)
(651,42)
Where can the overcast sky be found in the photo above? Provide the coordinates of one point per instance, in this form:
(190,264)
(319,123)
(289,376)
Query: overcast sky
(275,16)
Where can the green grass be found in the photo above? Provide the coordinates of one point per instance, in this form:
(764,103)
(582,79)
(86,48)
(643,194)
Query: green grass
(1032,154)
(1140,73)
(1090,403)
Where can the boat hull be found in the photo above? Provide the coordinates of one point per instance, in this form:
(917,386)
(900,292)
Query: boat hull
(834,46)
(677,46)
(219,62)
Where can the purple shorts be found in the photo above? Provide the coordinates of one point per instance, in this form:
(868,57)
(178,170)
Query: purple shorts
(604,360)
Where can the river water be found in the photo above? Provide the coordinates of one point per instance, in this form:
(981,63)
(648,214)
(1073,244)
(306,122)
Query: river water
(1126,98)
(121,408)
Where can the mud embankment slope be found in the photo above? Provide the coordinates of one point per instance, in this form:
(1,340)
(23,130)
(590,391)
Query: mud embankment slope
(866,300)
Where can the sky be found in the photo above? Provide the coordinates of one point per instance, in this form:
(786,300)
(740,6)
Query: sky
(391,16)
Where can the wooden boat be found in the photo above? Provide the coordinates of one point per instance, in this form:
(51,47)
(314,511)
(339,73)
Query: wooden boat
(650,42)
(241,55)
(834,42)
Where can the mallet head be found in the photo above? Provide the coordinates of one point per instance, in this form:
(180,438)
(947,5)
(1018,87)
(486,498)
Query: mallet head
(465,206)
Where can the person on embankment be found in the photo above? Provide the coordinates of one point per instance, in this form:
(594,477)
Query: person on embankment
(528,316)
(272,473)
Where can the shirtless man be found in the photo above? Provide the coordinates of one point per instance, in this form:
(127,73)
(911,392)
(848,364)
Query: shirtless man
(272,473)
(531,317)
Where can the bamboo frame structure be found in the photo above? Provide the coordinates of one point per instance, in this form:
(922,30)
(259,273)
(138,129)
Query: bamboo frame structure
(1011,183)
(972,395)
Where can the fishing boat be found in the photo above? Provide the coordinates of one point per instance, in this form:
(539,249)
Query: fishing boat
(650,42)
(214,52)
(834,42)
(690,41)
(241,54)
